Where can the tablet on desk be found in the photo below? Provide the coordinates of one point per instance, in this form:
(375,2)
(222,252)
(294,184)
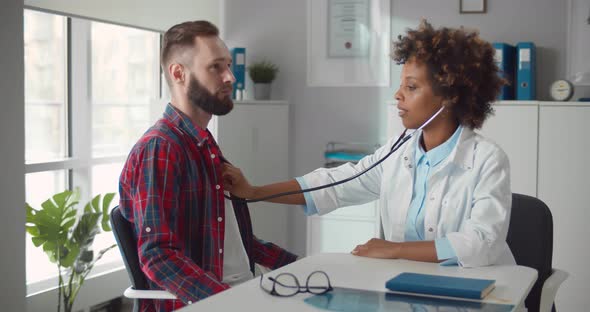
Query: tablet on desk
(359,300)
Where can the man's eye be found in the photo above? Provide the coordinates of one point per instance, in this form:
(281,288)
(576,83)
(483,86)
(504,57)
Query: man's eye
(411,88)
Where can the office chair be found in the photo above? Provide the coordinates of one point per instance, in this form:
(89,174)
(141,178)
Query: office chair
(530,238)
(123,231)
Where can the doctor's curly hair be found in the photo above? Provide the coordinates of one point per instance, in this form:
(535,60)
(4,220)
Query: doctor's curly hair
(461,65)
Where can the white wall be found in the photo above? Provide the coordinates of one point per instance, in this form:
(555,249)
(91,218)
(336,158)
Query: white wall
(543,22)
(12,143)
(151,14)
(319,115)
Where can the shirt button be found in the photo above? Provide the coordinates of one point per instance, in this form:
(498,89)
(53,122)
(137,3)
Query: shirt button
(148,229)
(406,158)
(217,187)
(220,250)
(190,302)
(430,229)
(219,219)
(409,166)
(212,156)
(199,144)
(432,198)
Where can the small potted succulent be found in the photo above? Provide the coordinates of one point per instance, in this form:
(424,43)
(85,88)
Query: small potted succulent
(262,74)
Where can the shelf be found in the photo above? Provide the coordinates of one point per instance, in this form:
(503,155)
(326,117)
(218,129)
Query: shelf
(529,103)
(259,102)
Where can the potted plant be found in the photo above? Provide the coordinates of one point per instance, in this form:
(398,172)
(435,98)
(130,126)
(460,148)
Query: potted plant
(262,74)
(66,236)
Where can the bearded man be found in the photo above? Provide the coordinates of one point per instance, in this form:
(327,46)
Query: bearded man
(190,240)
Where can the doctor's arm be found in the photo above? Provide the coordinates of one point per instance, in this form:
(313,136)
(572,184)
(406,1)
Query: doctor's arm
(424,251)
(235,182)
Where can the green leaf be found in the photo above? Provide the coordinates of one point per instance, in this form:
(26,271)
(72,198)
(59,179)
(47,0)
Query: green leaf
(87,208)
(48,205)
(33,230)
(69,224)
(38,241)
(106,202)
(86,229)
(30,213)
(68,259)
(96,203)
(61,199)
(71,214)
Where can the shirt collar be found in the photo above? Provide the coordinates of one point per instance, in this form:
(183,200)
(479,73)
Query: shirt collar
(184,123)
(439,153)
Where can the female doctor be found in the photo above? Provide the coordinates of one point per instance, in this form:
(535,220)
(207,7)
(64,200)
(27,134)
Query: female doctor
(445,195)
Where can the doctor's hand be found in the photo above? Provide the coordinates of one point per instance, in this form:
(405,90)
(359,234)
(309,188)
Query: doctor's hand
(377,248)
(235,182)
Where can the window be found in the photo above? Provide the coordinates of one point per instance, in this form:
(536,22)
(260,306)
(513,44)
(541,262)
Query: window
(88,93)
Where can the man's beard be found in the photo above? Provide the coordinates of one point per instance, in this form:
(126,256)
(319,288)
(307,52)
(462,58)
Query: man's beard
(210,103)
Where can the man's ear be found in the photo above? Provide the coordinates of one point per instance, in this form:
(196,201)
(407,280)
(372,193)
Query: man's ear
(176,72)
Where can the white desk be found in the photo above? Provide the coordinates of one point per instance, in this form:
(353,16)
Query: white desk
(345,270)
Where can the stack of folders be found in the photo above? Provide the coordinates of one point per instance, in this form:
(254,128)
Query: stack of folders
(439,285)
(517,64)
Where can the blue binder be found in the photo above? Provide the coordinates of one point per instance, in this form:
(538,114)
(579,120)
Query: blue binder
(239,69)
(505,55)
(440,285)
(526,71)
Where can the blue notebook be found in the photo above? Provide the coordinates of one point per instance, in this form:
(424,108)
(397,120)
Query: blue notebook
(439,285)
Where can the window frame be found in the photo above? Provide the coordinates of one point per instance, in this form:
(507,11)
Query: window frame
(79,160)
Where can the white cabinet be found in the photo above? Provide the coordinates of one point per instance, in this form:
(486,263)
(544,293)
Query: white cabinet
(564,149)
(515,128)
(255,138)
(548,146)
(342,229)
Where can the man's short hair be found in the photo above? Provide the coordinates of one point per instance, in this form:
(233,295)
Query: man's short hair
(182,36)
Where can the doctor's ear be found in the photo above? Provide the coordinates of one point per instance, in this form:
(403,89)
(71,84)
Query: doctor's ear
(448,103)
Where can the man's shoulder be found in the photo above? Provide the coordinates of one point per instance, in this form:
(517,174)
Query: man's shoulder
(159,134)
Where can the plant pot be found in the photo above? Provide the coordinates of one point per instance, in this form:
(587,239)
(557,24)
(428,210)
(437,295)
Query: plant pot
(262,91)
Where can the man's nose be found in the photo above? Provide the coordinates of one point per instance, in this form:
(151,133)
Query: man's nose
(229,76)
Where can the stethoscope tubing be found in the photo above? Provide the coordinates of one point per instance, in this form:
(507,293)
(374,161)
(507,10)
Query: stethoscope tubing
(398,143)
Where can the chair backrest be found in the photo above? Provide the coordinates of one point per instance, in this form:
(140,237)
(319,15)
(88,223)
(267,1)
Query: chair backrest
(530,237)
(127,243)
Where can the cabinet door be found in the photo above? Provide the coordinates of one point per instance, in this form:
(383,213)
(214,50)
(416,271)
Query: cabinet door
(254,137)
(563,185)
(342,229)
(515,128)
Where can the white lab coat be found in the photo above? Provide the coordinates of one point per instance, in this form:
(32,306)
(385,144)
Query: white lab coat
(468,200)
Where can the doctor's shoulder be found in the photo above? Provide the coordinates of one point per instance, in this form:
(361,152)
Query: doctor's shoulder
(487,149)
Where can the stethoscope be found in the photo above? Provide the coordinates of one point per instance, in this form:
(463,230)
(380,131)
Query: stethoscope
(403,138)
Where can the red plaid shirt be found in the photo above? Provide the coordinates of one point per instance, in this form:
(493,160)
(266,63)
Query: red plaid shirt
(171,189)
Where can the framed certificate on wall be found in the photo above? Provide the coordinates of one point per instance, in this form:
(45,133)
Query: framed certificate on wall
(348,43)
(348,28)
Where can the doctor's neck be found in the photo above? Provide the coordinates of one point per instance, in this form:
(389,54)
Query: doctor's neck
(438,132)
